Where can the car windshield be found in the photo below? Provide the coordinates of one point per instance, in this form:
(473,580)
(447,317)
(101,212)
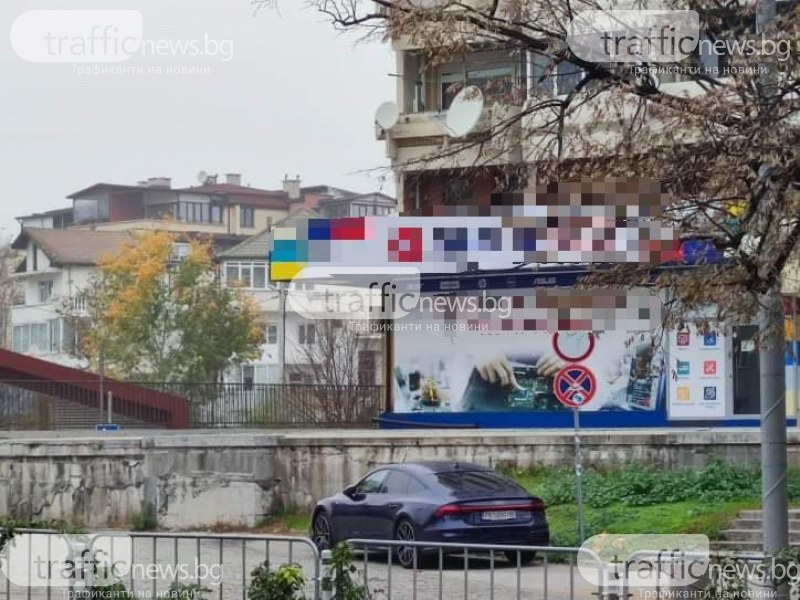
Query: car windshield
(477,482)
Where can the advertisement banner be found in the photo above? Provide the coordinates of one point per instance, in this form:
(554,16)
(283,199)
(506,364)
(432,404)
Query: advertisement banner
(698,373)
(441,369)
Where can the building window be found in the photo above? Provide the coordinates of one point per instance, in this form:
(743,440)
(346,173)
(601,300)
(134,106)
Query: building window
(90,209)
(187,212)
(179,252)
(33,338)
(247,216)
(559,79)
(45,291)
(457,191)
(55,335)
(295,378)
(251,275)
(272,334)
(35,252)
(367,367)
(338,211)
(365,210)
(449,86)
(248,376)
(497,85)
(306,335)
(21,338)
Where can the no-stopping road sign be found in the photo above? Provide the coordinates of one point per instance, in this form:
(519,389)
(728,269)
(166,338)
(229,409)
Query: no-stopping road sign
(574,386)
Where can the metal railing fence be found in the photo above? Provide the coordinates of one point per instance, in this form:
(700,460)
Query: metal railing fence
(48,405)
(157,565)
(451,571)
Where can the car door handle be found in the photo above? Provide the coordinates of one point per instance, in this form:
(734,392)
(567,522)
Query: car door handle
(394,505)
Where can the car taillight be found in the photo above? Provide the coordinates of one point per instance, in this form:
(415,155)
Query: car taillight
(449,510)
(462,509)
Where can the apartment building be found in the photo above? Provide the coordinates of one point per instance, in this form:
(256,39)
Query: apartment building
(428,172)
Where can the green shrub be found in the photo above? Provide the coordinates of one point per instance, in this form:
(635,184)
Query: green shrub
(285,583)
(639,485)
(343,571)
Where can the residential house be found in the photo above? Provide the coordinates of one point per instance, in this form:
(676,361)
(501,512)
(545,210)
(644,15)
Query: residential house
(63,246)
(228,208)
(288,335)
(57,266)
(333,202)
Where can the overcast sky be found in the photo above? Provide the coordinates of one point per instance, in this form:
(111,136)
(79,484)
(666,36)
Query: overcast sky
(296,98)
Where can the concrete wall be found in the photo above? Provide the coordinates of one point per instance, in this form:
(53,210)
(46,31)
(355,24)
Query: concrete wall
(201,479)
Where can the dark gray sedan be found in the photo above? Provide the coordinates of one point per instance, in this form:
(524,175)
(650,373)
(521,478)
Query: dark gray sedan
(450,502)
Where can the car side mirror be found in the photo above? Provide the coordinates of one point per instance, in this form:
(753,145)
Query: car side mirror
(351,491)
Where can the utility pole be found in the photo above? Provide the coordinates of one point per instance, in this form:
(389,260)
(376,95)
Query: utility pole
(774,490)
(283,291)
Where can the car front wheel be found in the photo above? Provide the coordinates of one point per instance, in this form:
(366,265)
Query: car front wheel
(321,531)
(407,556)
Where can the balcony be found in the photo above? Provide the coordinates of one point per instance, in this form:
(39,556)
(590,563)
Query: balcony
(419,135)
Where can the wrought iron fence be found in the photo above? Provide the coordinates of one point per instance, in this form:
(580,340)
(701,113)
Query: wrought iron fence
(276,405)
(46,405)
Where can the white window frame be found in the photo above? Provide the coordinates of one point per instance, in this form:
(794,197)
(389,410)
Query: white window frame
(250,267)
(46,284)
(306,334)
(247,223)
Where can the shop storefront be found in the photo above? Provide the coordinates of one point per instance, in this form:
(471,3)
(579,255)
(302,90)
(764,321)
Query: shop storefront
(451,375)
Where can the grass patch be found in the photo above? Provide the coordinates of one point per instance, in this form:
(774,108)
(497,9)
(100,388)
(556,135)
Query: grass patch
(639,499)
(285,523)
(676,517)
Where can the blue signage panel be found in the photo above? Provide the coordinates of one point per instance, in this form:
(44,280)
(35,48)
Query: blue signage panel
(110,427)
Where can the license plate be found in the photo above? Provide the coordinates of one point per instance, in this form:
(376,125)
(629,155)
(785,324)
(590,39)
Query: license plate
(499,515)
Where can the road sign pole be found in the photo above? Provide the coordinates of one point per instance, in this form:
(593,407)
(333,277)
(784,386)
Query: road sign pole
(575,386)
(579,471)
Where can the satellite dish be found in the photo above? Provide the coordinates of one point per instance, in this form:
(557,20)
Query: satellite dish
(202,176)
(464,112)
(387,115)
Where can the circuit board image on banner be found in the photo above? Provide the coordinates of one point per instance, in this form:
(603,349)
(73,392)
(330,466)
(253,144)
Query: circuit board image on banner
(479,371)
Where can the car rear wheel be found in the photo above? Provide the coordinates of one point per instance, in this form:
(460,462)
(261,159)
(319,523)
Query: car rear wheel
(525,558)
(407,556)
(321,531)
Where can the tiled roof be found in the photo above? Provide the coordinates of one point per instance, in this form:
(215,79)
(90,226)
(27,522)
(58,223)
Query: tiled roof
(74,246)
(257,247)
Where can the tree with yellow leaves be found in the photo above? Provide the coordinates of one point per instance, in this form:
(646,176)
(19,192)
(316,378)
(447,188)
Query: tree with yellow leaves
(154,318)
